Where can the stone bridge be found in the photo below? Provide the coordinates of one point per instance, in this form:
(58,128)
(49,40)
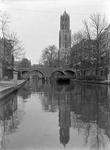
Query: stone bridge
(46,72)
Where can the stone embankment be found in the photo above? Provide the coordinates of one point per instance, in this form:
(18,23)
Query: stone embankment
(7,87)
(106,82)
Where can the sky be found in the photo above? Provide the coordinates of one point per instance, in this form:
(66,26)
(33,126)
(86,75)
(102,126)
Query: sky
(37,22)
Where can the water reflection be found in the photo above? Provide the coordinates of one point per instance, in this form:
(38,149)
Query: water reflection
(35,85)
(91,114)
(10,118)
(84,108)
(8,122)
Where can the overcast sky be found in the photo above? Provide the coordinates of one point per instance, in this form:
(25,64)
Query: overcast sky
(37,22)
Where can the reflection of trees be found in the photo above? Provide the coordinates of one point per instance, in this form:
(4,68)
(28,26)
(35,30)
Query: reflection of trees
(94,136)
(88,105)
(91,106)
(34,85)
(51,97)
(25,92)
(10,118)
(49,103)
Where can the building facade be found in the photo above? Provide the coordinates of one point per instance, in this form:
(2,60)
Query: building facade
(1,58)
(107,49)
(107,43)
(64,36)
(5,57)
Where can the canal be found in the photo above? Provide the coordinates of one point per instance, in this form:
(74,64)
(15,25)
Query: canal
(55,117)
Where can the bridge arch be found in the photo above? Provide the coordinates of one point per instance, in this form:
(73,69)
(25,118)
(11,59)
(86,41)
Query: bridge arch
(24,74)
(32,71)
(70,73)
(56,71)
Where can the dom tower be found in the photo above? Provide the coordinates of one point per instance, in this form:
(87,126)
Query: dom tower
(64,38)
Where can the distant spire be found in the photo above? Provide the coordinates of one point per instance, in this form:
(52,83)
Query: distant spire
(65,11)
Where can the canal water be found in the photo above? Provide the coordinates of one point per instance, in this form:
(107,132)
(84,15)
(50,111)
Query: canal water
(44,116)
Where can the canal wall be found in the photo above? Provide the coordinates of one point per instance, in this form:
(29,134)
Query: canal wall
(10,89)
(106,82)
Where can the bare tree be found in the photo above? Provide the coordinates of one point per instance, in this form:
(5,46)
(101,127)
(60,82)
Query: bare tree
(18,48)
(49,55)
(4,25)
(74,54)
(78,51)
(12,46)
(77,37)
(95,34)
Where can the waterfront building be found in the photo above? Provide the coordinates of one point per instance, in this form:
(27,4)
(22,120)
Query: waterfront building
(5,57)
(64,37)
(106,46)
(105,52)
(1,57)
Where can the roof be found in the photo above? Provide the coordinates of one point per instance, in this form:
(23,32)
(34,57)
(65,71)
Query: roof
(65,13)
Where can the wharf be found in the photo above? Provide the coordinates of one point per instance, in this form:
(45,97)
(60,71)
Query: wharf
(7,87)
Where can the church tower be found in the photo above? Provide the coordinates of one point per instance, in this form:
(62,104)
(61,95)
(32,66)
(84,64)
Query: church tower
(64,35)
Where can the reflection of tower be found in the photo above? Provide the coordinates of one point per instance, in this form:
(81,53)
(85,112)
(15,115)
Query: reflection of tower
(64,121)
(64,35)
